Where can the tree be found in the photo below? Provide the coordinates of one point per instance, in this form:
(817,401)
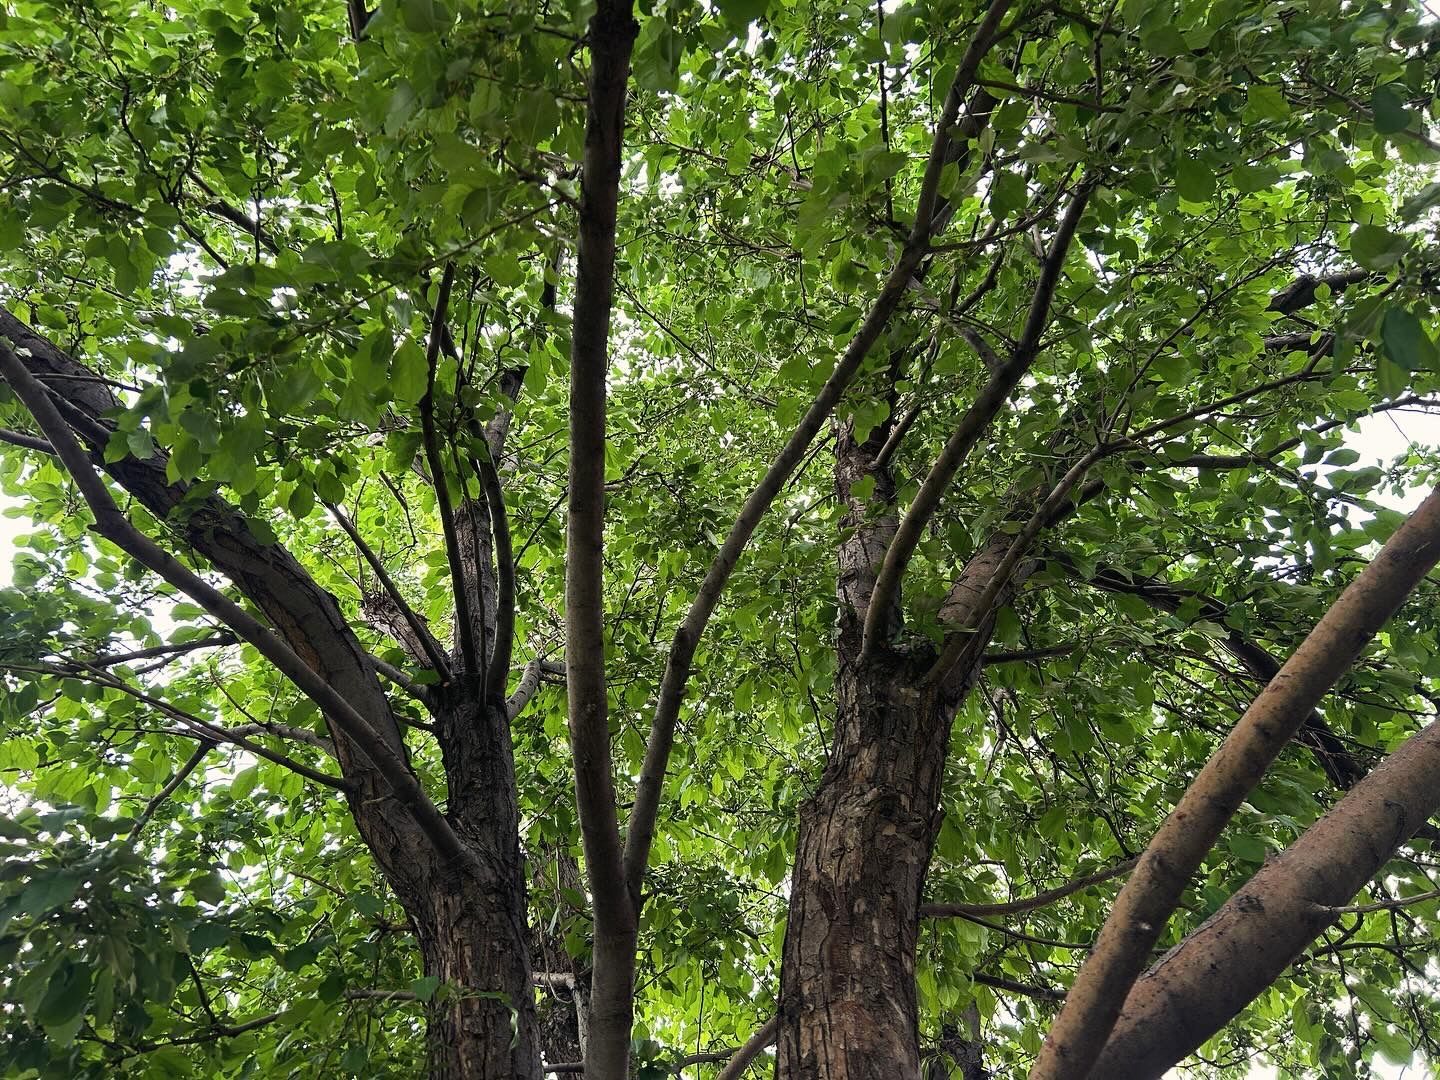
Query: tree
(605,538)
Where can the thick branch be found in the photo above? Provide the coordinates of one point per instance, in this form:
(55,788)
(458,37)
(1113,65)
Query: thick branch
(504,643)
(607,1052)
(529,684)
(1155,886)
(28,442)
(753,1048)
(1191,992)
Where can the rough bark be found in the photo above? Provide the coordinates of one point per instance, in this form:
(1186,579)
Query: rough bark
(848,1004)
(847,989)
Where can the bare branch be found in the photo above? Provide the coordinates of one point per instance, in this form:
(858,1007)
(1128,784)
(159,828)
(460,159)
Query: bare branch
(470,660)
(171,786)
(753,1048)
(607,1052)
(1198,986)
(1039,900)
(504,643)
(417,625)
(28,442)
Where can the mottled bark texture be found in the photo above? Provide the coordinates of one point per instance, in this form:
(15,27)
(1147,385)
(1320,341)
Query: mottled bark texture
(1202,983)
(1154,888)
(848,1008)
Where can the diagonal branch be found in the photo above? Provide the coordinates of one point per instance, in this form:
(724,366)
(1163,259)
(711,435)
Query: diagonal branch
(417,626)
(1030,903)
(1150,896)
(1003,380)
(470,661)
(504,643)
(1198,986)
(111,523)
(641,831)
(529,684)
(171,786)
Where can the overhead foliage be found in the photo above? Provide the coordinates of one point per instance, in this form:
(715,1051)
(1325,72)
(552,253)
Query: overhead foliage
(301,280)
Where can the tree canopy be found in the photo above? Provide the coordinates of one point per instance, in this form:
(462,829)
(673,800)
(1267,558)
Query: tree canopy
(961,394)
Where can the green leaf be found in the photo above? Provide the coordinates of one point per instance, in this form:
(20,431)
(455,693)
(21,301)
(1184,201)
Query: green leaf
(1405,341)
(66,996)
(244,783)
(424,16)
(1389,111)
(743,12)
(48,891)
(425,987)
(1008,194)
(1376,248)
(1247,847)
(1194,180)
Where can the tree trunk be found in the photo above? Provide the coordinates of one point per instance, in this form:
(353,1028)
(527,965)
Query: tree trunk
(848,1008)
(848,1000)
(473,931)
(472,937)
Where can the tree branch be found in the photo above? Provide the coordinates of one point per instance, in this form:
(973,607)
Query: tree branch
(1155,886)
(114,526)
(1039,900)
(417,626)
(987,405)
(171,786)
(504,643)
(615,907)
(28,442)
(470,660)
(1198,986)
(753,1048)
